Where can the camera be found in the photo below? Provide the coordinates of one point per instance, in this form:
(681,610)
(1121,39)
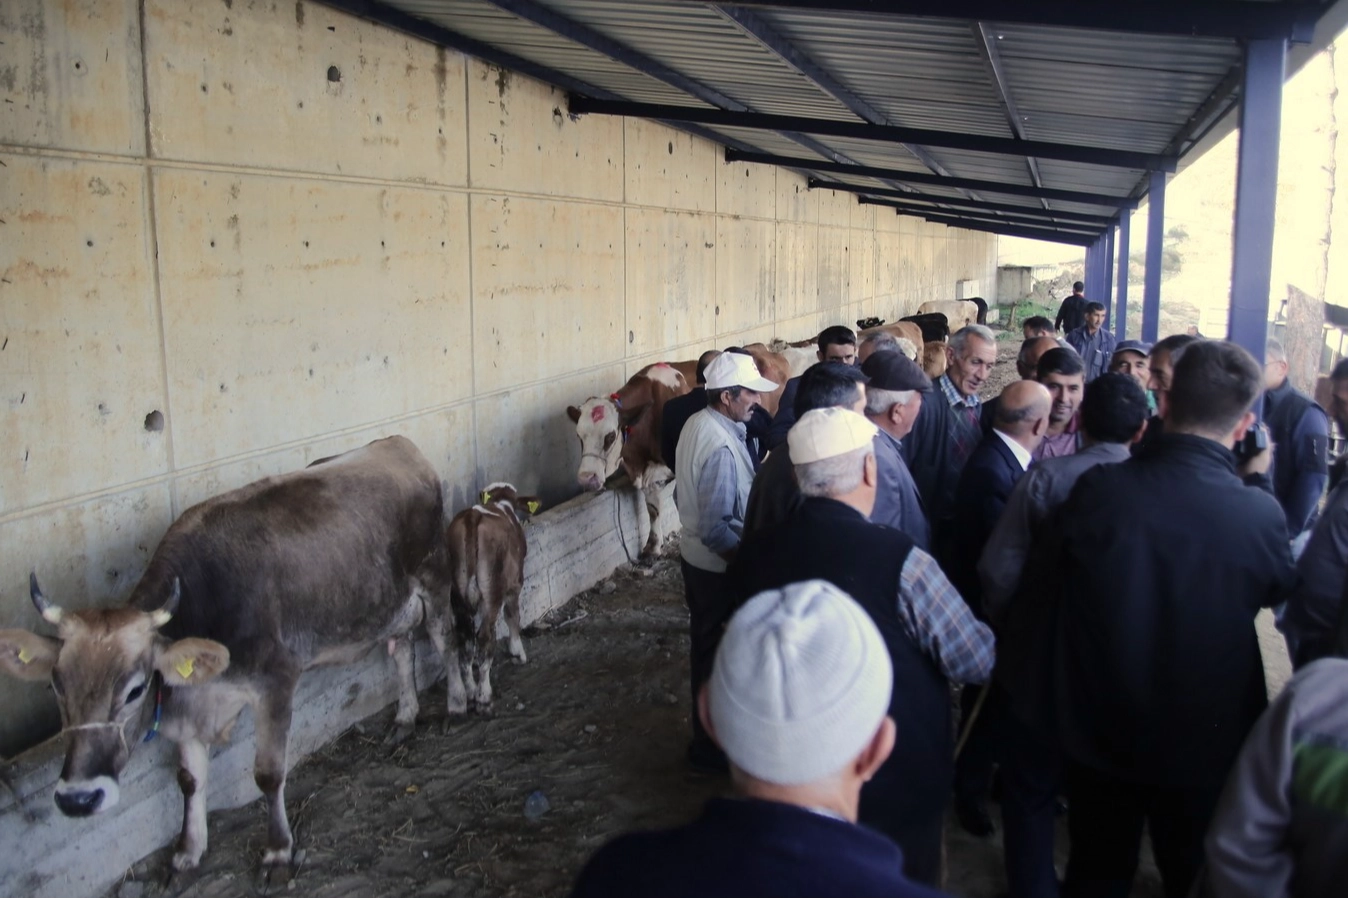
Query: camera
(1254,442)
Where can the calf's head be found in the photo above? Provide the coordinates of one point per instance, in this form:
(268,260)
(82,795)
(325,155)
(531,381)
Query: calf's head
(599,427)
(502,492)
(105,667)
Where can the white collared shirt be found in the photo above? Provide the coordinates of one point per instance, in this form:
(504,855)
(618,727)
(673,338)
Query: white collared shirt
(1021,453)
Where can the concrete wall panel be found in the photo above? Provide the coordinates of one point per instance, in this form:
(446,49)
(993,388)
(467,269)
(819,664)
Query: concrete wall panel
(297,307)
(797,269)
(745,267)
(302,87)
(547,289)
(834,268)
(746,189)
(80,364)
(521,139)
(85,554)
(835,207)
(669,168)
(795,201)
(670,260)
(70,75)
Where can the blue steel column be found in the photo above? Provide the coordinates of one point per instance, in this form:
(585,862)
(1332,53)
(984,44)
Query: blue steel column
(1122,330)
(1256,193)
(1106,267)
(1151,287)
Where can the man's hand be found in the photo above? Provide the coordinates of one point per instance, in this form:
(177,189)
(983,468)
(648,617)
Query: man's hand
(1258,464)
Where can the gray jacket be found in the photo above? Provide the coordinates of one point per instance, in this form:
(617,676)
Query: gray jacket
(897,503)
(1281,827)
(1043,488)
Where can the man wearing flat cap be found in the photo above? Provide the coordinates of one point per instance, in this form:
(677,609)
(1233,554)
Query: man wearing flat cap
(798,699)
(714,472)
(893,399)
(932,637)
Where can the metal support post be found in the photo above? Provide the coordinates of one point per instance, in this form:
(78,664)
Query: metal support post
(1256,193)
(1151,287)
(1122,318)
(1106,282)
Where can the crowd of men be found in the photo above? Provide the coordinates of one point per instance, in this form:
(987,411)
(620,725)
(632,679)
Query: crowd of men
(1082,557)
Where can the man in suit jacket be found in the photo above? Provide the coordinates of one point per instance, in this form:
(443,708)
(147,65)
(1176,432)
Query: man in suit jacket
(984,487)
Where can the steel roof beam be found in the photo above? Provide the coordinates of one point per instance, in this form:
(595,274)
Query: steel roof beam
(992,61)
(756,27)
(974,143)
(1021,190)
(1080,240)
(961,203)
(587,37)
(992,219)
(1037,219)
(391,17)
(1292,21)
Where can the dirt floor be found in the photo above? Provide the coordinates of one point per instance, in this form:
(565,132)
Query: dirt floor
(597,722)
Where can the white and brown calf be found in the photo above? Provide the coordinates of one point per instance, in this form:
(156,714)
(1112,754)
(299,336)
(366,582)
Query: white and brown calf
(486,550)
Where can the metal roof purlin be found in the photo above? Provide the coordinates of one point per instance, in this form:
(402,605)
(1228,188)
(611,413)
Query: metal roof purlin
(1100,156)
(1292,21)
(1081,240)
(990,218)
(914,200)
(394,18)
(992,61)
(760,30)
(599,43)
(865,171)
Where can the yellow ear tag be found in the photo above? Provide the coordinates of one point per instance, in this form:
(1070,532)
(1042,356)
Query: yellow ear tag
(533,506)
(486,497)
(185,667)
(24,655)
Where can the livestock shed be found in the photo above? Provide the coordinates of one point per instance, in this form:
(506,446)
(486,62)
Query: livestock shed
(242,235)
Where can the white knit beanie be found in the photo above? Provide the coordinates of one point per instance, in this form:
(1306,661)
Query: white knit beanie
(800,685)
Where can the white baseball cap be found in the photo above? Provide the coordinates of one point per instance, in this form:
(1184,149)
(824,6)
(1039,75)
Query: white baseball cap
(825,433)
(801,684)
(736,370)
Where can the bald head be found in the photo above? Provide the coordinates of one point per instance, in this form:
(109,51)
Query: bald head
(1030,351)
(1022,412)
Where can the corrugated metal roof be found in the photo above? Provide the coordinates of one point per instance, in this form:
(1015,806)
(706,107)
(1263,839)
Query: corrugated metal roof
(1069,86)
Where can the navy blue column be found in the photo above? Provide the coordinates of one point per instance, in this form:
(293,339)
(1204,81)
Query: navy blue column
(1256,193)
(1151,287)
(1106,268)
(1121,330)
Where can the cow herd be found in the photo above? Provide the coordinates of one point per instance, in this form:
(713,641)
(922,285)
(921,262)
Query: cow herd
(251,588)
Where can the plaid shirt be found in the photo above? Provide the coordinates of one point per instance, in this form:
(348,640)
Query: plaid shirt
(954,397)
(940,623)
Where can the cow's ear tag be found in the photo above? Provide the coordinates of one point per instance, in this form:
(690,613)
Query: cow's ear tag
(185,667)
(24,655)
(486,497)
(533,506)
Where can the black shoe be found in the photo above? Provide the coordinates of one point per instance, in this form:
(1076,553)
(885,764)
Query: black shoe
(707,758)
(974,818)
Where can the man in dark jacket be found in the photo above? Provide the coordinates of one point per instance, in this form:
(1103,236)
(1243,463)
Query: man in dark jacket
(1072,312)
(837,343)
(948,428)
(798,699)
(774,495)
(932,637)
(1158,672)
(1299,429)
(984,487)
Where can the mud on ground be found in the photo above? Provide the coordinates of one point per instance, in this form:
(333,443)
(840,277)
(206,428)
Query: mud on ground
(597,721)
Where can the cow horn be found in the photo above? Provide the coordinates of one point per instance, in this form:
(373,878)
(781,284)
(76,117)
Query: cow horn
(50,613)
(164,613)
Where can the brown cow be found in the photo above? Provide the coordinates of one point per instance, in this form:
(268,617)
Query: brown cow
(624,429)
(773,366)
(934,358)
(486,550)
(246,591)
(901,330)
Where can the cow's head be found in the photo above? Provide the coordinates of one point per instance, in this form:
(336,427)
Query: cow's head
(501,492)
(105,666)
(599,427)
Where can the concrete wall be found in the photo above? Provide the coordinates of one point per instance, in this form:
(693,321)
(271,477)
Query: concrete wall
(240,236)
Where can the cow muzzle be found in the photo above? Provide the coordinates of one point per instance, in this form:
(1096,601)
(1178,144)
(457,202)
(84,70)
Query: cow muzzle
(80,799)
(590,481)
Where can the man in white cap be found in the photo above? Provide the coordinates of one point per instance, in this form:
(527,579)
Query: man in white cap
(713,472)
(932,637)
(798,699)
